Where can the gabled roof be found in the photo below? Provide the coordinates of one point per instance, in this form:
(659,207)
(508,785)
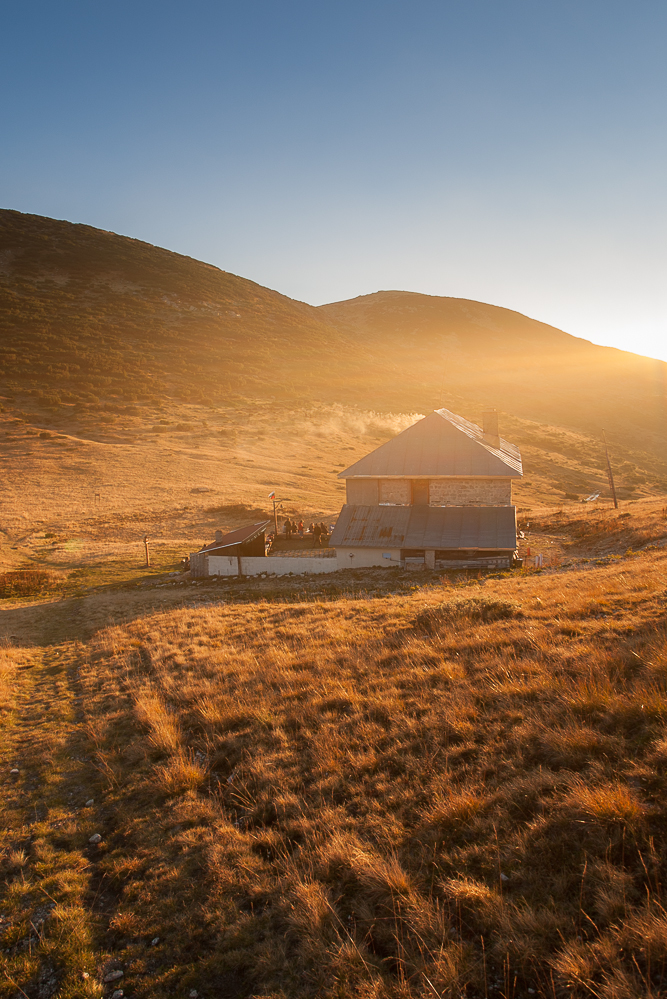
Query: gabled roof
(237,537)
(440,444)
(483,527)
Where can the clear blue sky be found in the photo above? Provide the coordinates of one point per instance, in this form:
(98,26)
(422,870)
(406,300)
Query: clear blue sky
(511,151)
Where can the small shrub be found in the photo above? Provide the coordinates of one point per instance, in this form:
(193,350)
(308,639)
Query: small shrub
(24,582)
(481,609)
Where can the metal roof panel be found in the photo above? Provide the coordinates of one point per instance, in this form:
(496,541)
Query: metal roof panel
(371,526)
(237,537)
(486,527)
(440,444)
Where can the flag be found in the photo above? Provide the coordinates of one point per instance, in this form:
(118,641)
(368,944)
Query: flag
(272,495)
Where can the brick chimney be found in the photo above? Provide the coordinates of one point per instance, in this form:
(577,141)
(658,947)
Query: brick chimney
(219,535)
(490,427)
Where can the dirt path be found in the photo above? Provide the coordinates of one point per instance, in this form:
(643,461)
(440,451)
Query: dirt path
(50,898)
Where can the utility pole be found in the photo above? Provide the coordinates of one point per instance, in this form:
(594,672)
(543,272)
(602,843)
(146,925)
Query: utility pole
(610,474)
(148,558)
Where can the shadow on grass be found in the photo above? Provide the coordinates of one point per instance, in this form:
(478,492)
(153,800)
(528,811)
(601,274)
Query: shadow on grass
(79,617)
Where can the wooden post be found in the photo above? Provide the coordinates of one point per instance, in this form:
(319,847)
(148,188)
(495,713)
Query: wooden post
(148,558)
(276,503)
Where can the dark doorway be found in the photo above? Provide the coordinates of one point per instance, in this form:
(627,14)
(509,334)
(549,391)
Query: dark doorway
(420,492)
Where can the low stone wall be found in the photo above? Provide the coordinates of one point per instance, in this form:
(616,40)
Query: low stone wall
(273,565)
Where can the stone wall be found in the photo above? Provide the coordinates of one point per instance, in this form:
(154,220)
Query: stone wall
(396,491)
(442,492)
(470,492)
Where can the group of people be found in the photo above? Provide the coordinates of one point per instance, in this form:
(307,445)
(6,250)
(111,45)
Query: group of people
(320,535)
(291,527)
(318,532)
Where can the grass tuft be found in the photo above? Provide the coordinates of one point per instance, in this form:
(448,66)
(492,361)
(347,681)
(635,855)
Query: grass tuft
(181,774)
(165,732)
(607,803)
(482,609)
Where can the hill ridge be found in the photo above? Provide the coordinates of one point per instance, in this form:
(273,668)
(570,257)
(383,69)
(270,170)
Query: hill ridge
(100,328)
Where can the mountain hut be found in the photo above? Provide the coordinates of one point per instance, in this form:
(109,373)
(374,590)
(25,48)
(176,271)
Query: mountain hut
(439,494)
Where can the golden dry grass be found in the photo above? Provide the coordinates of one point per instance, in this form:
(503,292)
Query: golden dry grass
(325,798)
(369,785)
(149,481)
(7,680)
(111,339)
(135,482)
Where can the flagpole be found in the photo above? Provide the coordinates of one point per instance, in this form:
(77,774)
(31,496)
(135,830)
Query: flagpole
(274,499)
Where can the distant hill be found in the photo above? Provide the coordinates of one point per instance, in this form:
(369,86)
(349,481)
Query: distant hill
(93,322)
(87,314)
(469,355)
(492,354)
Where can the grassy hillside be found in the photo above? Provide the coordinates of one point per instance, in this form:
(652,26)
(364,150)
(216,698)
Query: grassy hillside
(131,376)
(517,364)
(399,787)
(376,784)
(89,317)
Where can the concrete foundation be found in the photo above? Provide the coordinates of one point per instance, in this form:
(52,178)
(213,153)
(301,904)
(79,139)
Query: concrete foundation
(366,558)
